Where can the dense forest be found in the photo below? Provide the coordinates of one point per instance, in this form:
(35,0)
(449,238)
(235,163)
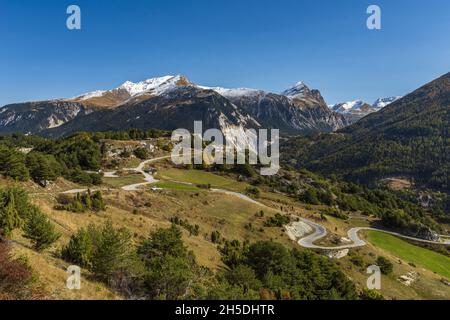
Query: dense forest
(24,157)
(407,138)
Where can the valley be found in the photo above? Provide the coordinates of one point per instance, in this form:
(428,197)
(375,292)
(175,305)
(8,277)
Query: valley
(213,201)
(91,184)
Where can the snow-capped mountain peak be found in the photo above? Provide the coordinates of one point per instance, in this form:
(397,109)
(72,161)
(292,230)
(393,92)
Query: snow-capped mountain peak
(349,107)
(90,95)
(233,92)
(297,90)
(155,86)
(383,102)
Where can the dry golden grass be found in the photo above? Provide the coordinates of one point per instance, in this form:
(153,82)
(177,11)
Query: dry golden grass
(144,211)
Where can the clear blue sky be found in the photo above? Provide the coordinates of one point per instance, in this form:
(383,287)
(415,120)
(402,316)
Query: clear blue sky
(267,44)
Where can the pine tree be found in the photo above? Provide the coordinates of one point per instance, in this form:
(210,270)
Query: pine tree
(97,201)
(9,216)
(40,230)
(113,251)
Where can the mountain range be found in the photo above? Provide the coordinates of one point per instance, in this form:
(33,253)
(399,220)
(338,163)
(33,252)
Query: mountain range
(172,102)
(408,138)
(357,109)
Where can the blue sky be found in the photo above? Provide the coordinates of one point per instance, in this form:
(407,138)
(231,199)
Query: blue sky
(263,44)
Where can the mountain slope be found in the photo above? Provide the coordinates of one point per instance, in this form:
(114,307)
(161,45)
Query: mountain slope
(409,137)
(33,117)
(297,110)
(171,102)
(174,109)
(355,110)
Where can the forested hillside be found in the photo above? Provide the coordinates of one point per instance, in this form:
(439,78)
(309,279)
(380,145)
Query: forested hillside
(410,138)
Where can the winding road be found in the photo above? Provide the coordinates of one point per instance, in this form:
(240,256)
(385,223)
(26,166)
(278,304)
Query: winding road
(147,176)
(320,232)
(307,241)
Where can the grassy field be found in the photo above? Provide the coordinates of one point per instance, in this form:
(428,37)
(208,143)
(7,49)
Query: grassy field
(123,181)
(419,256)
(202,177)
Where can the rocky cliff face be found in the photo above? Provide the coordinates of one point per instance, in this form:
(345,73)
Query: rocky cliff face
(175,109)
(297,110)
(33,117)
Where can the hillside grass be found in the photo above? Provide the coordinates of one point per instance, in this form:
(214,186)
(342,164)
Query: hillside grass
(123,181)
(425,258)
(202,177)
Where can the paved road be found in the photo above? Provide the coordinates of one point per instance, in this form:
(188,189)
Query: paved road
(320,232)
(148,178)
(307,241)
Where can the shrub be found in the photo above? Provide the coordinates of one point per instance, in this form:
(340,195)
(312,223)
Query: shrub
(253,191)
(82,202)
(277,221)
(368,294)
(109,254)
(385,265)
(334,212)
(215,237)
(15,276)
(141,153)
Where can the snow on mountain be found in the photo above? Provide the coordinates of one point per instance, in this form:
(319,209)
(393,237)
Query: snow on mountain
(359,106)
(155,86)
(298,90)
(383,102)
(349,107)
(90,95)
(233,92)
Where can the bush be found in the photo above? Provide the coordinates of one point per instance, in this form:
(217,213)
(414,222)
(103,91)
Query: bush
(82,202)
(357,260)
(243,276)
(81,177)
(368,294)
(310,197)
(109,254)
(215,237)
(277,221)
(193,229)
(385,265)
(294,274)
(15,276)
(141,153)
(253,191)
(334,212)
